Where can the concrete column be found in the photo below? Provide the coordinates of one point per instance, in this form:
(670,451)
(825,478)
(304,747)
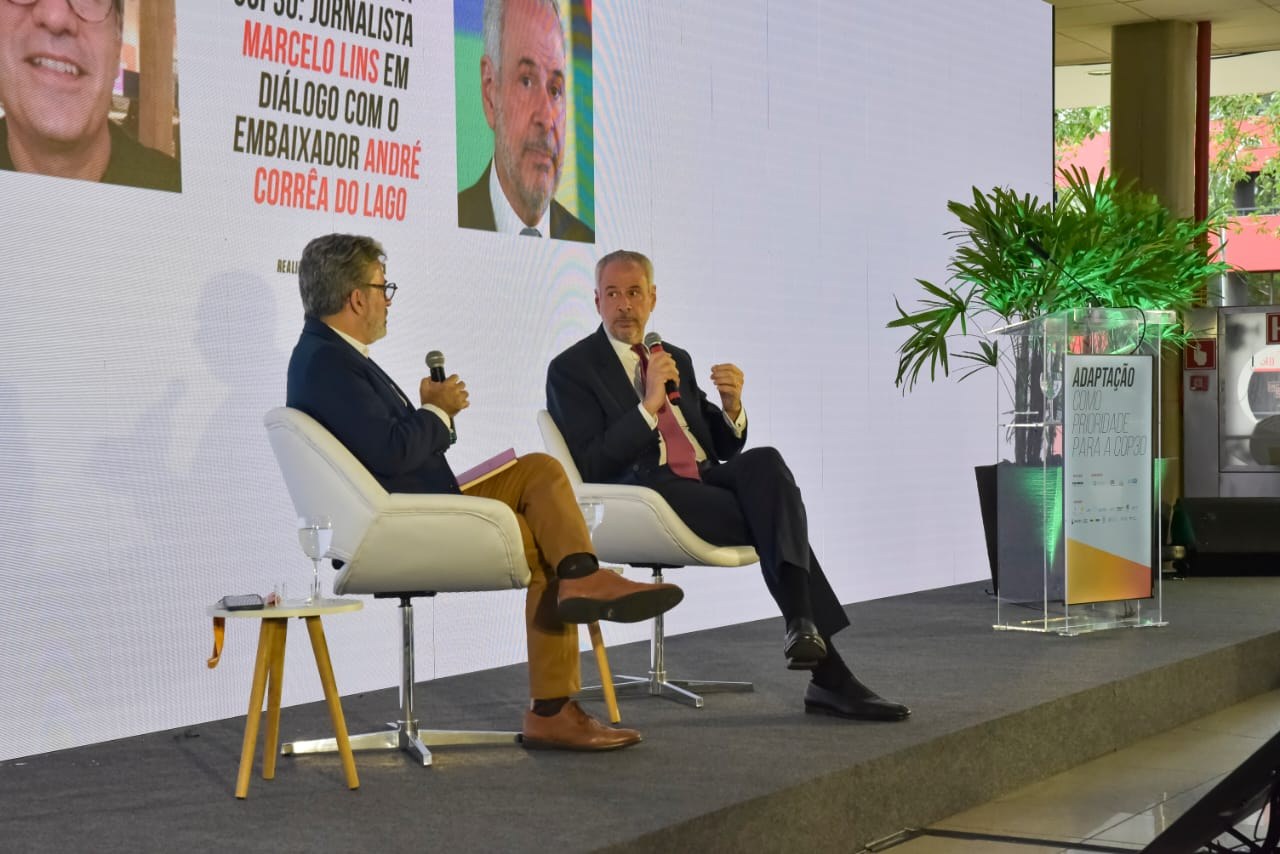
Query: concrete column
(1153,103)
(1153,109)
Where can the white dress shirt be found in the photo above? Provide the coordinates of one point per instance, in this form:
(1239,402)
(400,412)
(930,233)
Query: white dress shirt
(505,218)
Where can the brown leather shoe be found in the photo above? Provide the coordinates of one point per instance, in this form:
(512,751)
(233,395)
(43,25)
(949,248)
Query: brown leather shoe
(573,729)
(605,595)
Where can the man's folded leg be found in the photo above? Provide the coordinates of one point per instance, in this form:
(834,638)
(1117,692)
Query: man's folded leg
(538,490)
(555,536)
(553,720)
(588,593)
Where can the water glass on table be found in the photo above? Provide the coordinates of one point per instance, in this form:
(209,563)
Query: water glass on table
(315,535)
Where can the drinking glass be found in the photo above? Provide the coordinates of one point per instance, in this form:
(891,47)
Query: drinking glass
(1051,369)
(315,535)
(592,511)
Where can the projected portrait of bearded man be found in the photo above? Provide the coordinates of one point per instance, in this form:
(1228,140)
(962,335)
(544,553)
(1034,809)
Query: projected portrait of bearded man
(533,152)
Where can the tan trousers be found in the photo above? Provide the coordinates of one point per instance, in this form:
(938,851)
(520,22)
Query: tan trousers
(538,490)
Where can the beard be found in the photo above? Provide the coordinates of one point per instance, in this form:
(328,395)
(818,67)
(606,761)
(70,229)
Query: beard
(533,195)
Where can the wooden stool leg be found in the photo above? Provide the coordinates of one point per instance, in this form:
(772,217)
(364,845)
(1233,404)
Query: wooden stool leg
(321,650)
(275,682)
(606,677)
(265,635)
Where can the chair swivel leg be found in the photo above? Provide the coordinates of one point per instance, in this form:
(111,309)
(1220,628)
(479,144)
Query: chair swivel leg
(687,691)
(404,733)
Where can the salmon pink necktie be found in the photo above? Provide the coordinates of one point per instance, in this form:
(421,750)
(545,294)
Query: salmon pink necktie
(681,458)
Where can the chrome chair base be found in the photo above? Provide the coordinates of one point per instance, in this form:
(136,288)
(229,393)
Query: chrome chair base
(656,684)
(404,733)
(411,740)
(686,691)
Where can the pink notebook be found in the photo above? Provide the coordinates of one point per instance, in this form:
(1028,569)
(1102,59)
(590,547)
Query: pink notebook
(487,469)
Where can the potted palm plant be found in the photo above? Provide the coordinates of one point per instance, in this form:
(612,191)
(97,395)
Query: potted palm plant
(1102,243)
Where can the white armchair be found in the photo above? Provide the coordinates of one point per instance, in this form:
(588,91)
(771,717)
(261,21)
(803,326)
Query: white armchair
(639,528)
(399,546)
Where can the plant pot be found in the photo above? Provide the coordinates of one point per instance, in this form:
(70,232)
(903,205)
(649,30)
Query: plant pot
(1018,528)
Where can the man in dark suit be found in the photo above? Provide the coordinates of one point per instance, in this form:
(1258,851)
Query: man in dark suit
(345,295)
(607,393)
(522,86)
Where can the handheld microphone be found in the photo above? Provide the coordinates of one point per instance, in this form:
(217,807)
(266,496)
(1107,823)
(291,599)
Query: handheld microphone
(653,343)
(1038,248)
(435,361)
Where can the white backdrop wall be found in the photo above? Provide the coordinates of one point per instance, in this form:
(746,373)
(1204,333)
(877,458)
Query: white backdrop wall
(785,164)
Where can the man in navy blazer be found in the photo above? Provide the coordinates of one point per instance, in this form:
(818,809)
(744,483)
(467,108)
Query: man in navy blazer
(607,393)
(345,294)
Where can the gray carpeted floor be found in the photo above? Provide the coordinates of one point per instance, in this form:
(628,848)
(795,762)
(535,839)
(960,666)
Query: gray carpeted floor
(992,710)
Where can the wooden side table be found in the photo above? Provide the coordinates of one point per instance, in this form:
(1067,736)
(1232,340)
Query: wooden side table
(268,678)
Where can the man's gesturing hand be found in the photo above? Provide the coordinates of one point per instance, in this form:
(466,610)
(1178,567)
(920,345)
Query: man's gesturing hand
(661,368)
(450,395)
(728,381)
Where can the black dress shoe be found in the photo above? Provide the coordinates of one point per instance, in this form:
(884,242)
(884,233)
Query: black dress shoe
(803,646)
(856,701)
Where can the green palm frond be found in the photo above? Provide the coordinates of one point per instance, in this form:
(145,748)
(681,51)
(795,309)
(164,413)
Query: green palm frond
(1107,243)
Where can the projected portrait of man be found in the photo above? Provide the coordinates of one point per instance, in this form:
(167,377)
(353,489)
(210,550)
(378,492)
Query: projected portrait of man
(59,60)
(523,93)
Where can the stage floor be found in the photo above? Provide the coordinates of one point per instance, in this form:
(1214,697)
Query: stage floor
(993,711)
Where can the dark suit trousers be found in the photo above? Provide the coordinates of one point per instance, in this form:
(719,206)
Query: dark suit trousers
(753,498)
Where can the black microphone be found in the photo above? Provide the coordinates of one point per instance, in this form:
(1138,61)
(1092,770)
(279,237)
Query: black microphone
(435,361)
(653,343)
(1038,248)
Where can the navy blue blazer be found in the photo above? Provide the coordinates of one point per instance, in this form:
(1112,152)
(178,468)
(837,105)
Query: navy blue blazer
(401,445)
(592,401)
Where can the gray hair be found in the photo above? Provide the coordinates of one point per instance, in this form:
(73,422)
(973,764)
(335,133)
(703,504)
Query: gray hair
(491,28)
(625,256)
(332,267)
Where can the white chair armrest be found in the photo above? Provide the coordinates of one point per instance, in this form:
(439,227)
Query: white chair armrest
(461,543)
(640,528)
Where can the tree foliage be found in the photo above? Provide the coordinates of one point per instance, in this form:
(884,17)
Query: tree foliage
(1241,125)
(1244,124)
(1076,125)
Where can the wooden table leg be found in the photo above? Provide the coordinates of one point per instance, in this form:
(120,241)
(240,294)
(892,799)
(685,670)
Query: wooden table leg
(321,650)
(606,676)
(265,635)
(275,682)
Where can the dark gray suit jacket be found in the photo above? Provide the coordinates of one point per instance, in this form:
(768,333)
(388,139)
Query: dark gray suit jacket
(475,211)
(595,406)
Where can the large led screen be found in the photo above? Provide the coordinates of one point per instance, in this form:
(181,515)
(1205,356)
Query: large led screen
(785,164)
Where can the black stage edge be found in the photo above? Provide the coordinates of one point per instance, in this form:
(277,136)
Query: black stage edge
(994,711)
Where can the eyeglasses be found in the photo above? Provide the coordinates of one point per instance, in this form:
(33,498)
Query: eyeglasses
(89,11)
(388,289)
